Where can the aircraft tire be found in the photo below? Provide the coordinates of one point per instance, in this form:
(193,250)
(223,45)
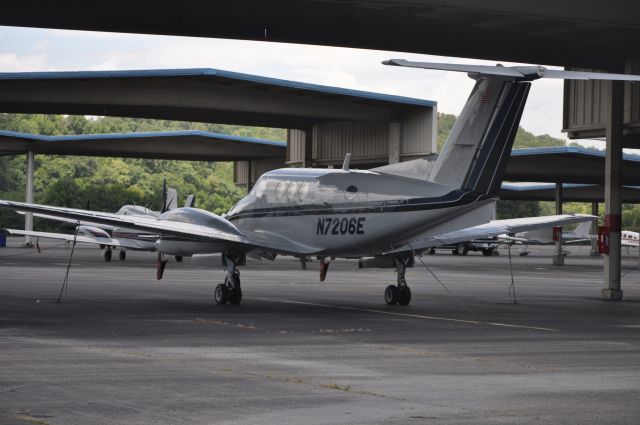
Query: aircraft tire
(235,296)
(431,251)
(179,258)
(391,295)
(404,296)
(221,294)
(462,249)
(122,255)
(107,255)
(487,252)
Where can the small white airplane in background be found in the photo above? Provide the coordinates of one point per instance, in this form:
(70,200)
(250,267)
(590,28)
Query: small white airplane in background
(384,216)
(109,236)
(582,233)
(630,239)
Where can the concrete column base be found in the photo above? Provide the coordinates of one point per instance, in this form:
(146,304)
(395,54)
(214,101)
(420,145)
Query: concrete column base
(558,260)
(612,294)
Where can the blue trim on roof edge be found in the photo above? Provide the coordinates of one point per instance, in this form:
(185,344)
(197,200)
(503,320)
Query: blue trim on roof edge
(569,150)
(142,135)
(212,72)
(524,187)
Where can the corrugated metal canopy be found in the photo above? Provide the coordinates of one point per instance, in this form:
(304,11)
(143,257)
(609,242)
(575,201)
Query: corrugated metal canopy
(590,33)
(179,145)
(570,192)
(203,95)
(568,165)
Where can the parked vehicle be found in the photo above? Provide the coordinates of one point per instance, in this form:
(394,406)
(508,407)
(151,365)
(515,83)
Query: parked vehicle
(488,247)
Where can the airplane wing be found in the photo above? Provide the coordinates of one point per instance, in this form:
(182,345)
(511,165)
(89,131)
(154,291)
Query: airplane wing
(190,231)
(72,221)
(120,243)
(493,228)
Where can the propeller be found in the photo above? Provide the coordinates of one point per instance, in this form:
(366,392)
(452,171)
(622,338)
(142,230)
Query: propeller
(161,263)
(169,197)
(515,72)
(164,196)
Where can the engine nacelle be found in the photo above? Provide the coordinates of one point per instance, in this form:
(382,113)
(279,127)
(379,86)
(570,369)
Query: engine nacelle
(96,232)
(171,246)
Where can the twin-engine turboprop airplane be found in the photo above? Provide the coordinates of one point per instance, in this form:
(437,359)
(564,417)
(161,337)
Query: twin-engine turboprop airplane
(383,216)
(546,236)
(108,236)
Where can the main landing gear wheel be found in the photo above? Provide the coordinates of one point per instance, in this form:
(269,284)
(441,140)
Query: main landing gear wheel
(487,252)
(221,294)
(179,258)
(107,255)
(404,295)
(229,291)
(391,295)
(399,294)
(122,255)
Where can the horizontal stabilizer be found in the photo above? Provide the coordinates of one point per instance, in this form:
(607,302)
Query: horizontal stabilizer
(515,72)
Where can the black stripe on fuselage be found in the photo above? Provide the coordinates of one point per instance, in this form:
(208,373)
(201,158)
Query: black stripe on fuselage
(451,199)
(498,141)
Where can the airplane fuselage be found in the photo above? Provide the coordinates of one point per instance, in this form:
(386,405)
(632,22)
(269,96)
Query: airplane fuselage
(334,212)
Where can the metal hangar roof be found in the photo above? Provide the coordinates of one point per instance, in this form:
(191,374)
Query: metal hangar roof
(589,33)
(203,95)
(566,164)
(179,145)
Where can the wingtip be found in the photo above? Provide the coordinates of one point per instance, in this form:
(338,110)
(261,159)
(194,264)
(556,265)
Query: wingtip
(392,62)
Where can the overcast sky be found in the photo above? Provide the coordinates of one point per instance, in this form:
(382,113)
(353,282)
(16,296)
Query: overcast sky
(26,49)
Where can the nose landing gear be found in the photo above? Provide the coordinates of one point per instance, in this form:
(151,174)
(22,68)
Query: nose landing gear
(400,293)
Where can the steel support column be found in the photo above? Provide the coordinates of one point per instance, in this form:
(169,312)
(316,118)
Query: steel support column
(612,201)
(558,258)
(394,142)
(28,217)
(594,231)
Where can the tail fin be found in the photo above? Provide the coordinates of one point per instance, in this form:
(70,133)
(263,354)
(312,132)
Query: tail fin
(583,229)
(190,201)
(476,153)
(172,199)
(169,197)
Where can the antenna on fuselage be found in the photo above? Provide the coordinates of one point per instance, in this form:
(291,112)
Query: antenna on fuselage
(347,162)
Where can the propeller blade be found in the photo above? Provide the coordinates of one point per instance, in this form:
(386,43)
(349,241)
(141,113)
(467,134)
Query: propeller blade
(164,196)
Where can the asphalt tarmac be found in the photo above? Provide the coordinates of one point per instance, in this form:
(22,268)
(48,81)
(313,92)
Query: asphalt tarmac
(124,348)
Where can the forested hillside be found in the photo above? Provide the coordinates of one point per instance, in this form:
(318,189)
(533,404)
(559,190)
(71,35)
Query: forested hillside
(107,183)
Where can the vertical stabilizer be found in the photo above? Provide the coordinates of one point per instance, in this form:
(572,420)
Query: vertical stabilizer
(583,229)
(476,153)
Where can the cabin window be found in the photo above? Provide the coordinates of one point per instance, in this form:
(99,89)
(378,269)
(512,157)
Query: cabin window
(281,190)
(260,188)
(291,191)
(351,192)
(303,191)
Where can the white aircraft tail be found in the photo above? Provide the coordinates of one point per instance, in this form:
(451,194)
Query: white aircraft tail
(169,197)
(583,229)
(476,153)
(477,150)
